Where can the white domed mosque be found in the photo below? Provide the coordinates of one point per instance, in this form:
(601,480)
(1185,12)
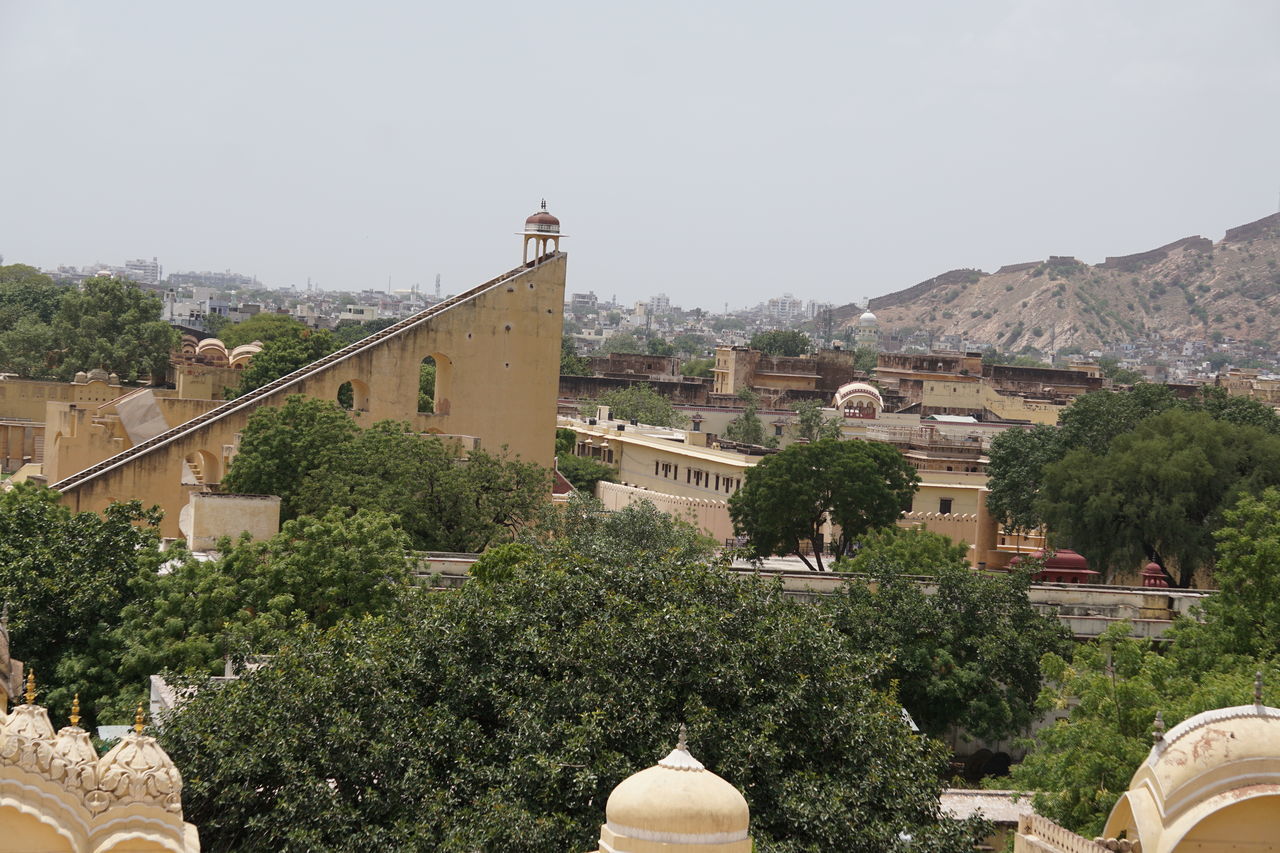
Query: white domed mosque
(868,334)
(676,806)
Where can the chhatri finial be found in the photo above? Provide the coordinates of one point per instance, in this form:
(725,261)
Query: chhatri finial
(138,725)
(1157,728)
(683,743)
(1257,688)
(75,712)
(544,204)
(31,687)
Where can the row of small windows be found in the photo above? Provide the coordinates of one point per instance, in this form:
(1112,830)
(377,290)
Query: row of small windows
(696,477)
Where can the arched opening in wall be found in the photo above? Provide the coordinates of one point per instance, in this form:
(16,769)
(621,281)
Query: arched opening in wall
(202,468)
(427,386)
(353,395)
(443,382)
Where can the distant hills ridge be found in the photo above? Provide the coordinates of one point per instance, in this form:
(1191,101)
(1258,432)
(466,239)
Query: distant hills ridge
(1190,289)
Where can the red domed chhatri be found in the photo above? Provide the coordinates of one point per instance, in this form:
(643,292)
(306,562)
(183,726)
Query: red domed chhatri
(542,221)
(1153,576)
(1065,566)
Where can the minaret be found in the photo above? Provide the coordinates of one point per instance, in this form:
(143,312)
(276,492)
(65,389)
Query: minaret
(868,334)
(541,234)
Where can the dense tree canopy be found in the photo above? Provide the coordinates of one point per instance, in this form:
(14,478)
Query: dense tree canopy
(499,716)
(965,654)
(283,355)
(263,327)
(51,332)
(1019,459)
(316,571)
(27,294)
(789,342)
(906,550)
(1158,492)
(66,578)
(637,402)
(787,497)
(311,454)
(1113,688)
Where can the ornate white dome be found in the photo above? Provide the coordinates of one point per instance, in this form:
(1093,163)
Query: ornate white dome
(867,319)
(678,802)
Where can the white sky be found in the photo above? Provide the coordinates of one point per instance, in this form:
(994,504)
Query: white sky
(716,151)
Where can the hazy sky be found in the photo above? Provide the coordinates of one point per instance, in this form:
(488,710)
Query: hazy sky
(718,152)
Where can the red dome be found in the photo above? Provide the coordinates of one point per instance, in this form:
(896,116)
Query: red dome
(542,221)
(1066,559)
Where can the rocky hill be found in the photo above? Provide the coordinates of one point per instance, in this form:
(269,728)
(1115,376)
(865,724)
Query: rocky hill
(1190,289)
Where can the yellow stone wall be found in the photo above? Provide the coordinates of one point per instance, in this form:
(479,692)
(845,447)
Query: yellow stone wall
(497,350)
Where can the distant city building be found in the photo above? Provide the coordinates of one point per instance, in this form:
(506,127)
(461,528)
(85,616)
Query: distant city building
(583,303)
(785,308)
(143,271)
(659,305)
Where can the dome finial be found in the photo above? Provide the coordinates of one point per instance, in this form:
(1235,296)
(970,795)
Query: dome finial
(1157,728)
(75,711)
(683,743)
(138,725)
(544,204)
(1257,688)
(31,687)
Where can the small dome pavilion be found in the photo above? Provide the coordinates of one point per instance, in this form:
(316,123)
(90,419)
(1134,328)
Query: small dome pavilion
(675,806)
(541,234)
(1211,783)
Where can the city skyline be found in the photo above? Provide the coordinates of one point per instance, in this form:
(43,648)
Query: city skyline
(719,154)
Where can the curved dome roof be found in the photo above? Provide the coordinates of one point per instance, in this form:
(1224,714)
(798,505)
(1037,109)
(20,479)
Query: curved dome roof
(851,390)
(678,801)
(867,319)
(543,221)
(1202,766)
(1066,559)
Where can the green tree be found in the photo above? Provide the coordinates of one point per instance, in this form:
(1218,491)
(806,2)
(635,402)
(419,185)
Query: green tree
(30,350)
(427,385)
(263,327)
(639,402)
(312,455)
(282,445)
(966,654)
(622,342)
(584,472)
(314,570)
(115,325)
(1242,620)
(691,345)
(865,360)
(659,346)
(66,577)
(1112,689)
(907,550)
(27,294)
(572,364)
(786,498)
(1093,420)
(812,425)
(518,704)
(283,355)
(1158,492)
(349,331)
(746,427)
(698,367)
(1015,474)
(781,342)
